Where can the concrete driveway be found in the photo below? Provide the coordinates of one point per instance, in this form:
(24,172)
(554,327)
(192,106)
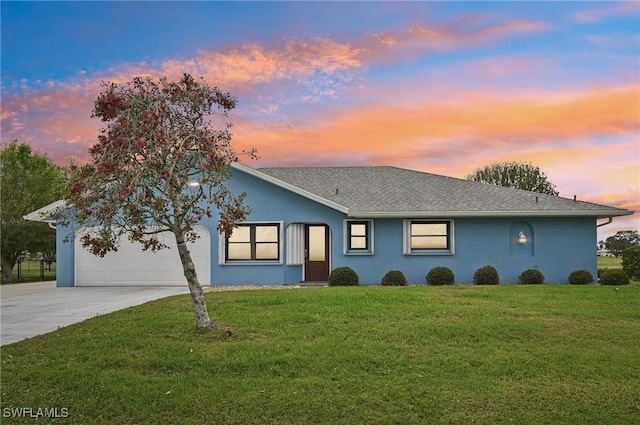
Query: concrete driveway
(30,309)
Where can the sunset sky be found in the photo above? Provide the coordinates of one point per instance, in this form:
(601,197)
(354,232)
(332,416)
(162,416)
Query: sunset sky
(441,87)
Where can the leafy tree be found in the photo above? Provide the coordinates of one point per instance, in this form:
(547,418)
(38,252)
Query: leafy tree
(631,262)
(622,240)
(160,165)
(517,175)
(29,181)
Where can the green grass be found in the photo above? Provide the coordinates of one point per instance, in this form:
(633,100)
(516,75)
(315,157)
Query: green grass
(31,273)
(609,263)
(535,354)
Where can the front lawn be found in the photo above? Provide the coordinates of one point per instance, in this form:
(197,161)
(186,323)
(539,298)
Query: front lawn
(609,262)
(516,354)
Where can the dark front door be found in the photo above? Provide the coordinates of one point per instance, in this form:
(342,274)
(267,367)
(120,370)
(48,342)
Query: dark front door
(316,250)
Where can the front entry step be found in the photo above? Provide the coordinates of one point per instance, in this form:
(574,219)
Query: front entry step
(314,283)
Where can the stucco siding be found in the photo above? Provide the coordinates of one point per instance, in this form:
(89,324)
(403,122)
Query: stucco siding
(555,246)
(65,258)
(270,203)
(561,245)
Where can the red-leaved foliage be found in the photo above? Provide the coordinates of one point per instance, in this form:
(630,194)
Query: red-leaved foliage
(158,165)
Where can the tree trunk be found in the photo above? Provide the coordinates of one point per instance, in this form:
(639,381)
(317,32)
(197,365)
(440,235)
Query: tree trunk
(197,298)
(7,269)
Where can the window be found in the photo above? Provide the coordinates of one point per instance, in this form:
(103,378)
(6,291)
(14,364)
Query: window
(428,237)
(254,242)
(358,237)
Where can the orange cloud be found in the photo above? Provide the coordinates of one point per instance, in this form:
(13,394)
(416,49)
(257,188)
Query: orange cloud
(480,122)
(559,132)
(318,68)
(251,63)
(443,127)
(628,222)
(51,116)
(606,174)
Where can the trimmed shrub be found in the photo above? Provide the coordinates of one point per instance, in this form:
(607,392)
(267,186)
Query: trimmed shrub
(615,277)
(440,276)
(394,278)
(581,277)
(631,262)
(487,275)
(532,277)
(343,276)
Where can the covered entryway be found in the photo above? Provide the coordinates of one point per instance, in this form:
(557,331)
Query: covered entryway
(130,266)
(316,261)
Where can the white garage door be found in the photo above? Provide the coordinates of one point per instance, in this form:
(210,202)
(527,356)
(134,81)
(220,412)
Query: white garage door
(130,266)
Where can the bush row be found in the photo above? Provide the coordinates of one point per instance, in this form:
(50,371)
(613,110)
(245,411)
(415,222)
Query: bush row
(487,275)
(346,276)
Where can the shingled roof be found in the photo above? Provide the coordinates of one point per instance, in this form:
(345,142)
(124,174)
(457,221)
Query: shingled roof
(396,192)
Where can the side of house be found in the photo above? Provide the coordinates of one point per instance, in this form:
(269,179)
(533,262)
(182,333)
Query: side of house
(372,246)
(305,222)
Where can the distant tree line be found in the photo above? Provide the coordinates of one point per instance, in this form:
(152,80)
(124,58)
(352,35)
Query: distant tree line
(620,242)
(518,175)
(30,180)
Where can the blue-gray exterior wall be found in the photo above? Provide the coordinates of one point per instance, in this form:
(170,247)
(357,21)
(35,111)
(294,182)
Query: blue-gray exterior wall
(65,258)
(556,246)
(272,204)
(560,246)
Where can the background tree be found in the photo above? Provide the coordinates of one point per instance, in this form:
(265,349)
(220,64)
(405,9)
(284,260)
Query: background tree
(517,175)
(159,166)
(622,240)
(29,181)
(631,262)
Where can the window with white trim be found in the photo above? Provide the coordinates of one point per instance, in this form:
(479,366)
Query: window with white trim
(428,237)
(257,242)
(358,237)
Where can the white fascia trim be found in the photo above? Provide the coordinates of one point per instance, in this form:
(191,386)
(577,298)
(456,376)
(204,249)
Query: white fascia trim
(468,214)
(289,187)
(42,213)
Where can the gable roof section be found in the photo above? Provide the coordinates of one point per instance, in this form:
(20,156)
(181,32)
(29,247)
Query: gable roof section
(291,187)
(44,214)
(366,192)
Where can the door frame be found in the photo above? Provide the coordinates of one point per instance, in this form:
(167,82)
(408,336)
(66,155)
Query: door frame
(306,250)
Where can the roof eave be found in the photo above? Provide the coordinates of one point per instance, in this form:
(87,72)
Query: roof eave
(319,199)
(43,214)
(475,214)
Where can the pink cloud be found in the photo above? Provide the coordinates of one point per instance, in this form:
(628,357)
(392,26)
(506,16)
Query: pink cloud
(468,31)
(250,63)
(448,128)
(557,131)
(488,121)
(55,116)
(606,10)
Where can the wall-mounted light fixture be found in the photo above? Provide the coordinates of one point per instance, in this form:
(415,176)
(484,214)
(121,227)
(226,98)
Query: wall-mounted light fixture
(522,238)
